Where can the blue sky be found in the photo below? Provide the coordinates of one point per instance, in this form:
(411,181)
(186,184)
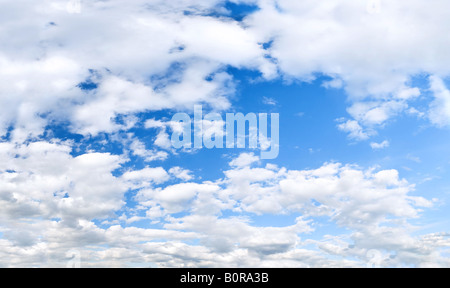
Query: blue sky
(88,92)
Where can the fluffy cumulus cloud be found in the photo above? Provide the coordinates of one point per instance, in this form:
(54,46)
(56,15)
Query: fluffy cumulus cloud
(43,179)
(94,74)
(373,54)
(60,209)
(145,56)
(128,52)
(440,107)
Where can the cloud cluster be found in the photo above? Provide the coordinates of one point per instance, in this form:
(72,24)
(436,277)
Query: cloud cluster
(146,56)
(42,179)
(373,54)
(48,211)
(93,72)
(133,57)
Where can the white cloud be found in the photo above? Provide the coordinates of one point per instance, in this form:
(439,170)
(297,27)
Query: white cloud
(132,52)
(180,173)
(335,41)
(413,158)
(138,148)
(245,159)
(152,123)
(376,113)
(31,87)
(354,129)
(440,108)
(143,178)
(370,55)
(415,112)
(163,140)
(257,189)
(144,60)
(378,146)
(374,207)
(269,101)
(66,187)
(335,83)
(175,198)
(227,232)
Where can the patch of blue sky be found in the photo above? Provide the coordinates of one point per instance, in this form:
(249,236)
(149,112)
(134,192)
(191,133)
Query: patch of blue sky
(230,9)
